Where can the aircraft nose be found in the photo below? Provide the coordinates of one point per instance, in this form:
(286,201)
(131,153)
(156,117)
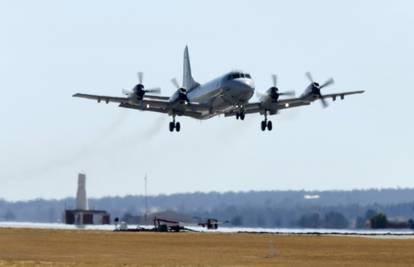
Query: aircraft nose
(246,87)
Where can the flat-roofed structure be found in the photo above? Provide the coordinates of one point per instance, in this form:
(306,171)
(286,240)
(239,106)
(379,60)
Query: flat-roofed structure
(87,217)
(82,214)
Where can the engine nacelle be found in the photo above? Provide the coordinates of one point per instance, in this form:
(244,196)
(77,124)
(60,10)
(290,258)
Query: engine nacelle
(273,93)
(139,91)
(179,95)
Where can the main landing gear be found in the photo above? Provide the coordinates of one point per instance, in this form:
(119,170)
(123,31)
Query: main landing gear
(240,115)
(174,125)
(266,124)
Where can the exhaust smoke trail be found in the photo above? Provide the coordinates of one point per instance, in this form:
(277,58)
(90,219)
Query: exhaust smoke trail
(141,136)
(85,150)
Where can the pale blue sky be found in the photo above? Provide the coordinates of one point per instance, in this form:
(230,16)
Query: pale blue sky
(52,49)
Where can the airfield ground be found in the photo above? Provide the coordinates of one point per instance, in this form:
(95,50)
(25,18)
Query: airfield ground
(41,247)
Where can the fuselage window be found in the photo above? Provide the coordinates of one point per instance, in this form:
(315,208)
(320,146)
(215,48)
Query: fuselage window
(248,76)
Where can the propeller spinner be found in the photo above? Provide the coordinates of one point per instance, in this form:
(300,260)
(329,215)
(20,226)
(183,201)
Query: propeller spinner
(181,91)
(139,90)
(316,88)
(273,92)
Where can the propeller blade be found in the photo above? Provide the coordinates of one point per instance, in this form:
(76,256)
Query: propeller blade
(188,100)
(274,79)
(258,94)
(155,90)
(126,92)
(288,93)
(140,77)
(323,101)
(327,83)
(261,96)
(309,76)
(175,82)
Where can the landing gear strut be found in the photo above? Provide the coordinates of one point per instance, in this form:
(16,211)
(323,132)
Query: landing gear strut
(266,124)
(174,125)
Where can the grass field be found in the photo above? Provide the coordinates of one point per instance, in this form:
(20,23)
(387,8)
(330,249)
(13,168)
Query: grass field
(38,247)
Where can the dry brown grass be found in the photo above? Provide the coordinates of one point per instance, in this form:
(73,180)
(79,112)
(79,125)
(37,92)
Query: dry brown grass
(34,247)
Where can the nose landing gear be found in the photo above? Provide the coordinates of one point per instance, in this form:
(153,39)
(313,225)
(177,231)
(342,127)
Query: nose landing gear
(174,125)
(266,124)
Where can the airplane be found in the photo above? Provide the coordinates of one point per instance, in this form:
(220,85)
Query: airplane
(227,95)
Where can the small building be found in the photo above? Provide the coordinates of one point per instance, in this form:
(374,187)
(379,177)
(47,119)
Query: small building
(211,224)
(87,217)
(82,214)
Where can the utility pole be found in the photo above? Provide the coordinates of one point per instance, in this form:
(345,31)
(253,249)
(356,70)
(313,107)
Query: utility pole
(146,200)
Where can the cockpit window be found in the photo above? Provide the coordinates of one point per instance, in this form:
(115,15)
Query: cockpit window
(238,75)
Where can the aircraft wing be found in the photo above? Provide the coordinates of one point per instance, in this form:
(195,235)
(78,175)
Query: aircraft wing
(260,107)
(291,103)
(193,110)
(104,98)
(155,104)
(117,99)
(159,107)
(156,97)
(341,95)
(161,104)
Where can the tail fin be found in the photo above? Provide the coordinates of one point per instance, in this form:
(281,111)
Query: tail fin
(188,81)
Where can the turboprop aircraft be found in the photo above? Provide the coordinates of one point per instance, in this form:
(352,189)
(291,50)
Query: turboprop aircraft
(227,95)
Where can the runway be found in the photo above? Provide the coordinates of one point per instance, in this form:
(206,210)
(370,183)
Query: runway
(402,233)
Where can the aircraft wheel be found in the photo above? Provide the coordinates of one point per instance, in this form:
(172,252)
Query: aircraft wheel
(171,126)
(263,125)
(177,126)
(269,125)
(242,116)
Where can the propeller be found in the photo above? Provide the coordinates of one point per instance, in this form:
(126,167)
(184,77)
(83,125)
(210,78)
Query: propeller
(140,75)
(273,92)
(309,75)
(175,82)
(316,88)
(139,90)
(181,91)
(274,80)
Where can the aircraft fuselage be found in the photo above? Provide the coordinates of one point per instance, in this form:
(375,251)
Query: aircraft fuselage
(223,93)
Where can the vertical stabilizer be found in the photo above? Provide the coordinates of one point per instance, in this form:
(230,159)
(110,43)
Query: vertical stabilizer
(188,81)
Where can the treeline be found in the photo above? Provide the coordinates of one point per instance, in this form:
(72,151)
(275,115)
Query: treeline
(310,209)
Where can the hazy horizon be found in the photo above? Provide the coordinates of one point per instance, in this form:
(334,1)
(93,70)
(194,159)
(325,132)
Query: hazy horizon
(208,192)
